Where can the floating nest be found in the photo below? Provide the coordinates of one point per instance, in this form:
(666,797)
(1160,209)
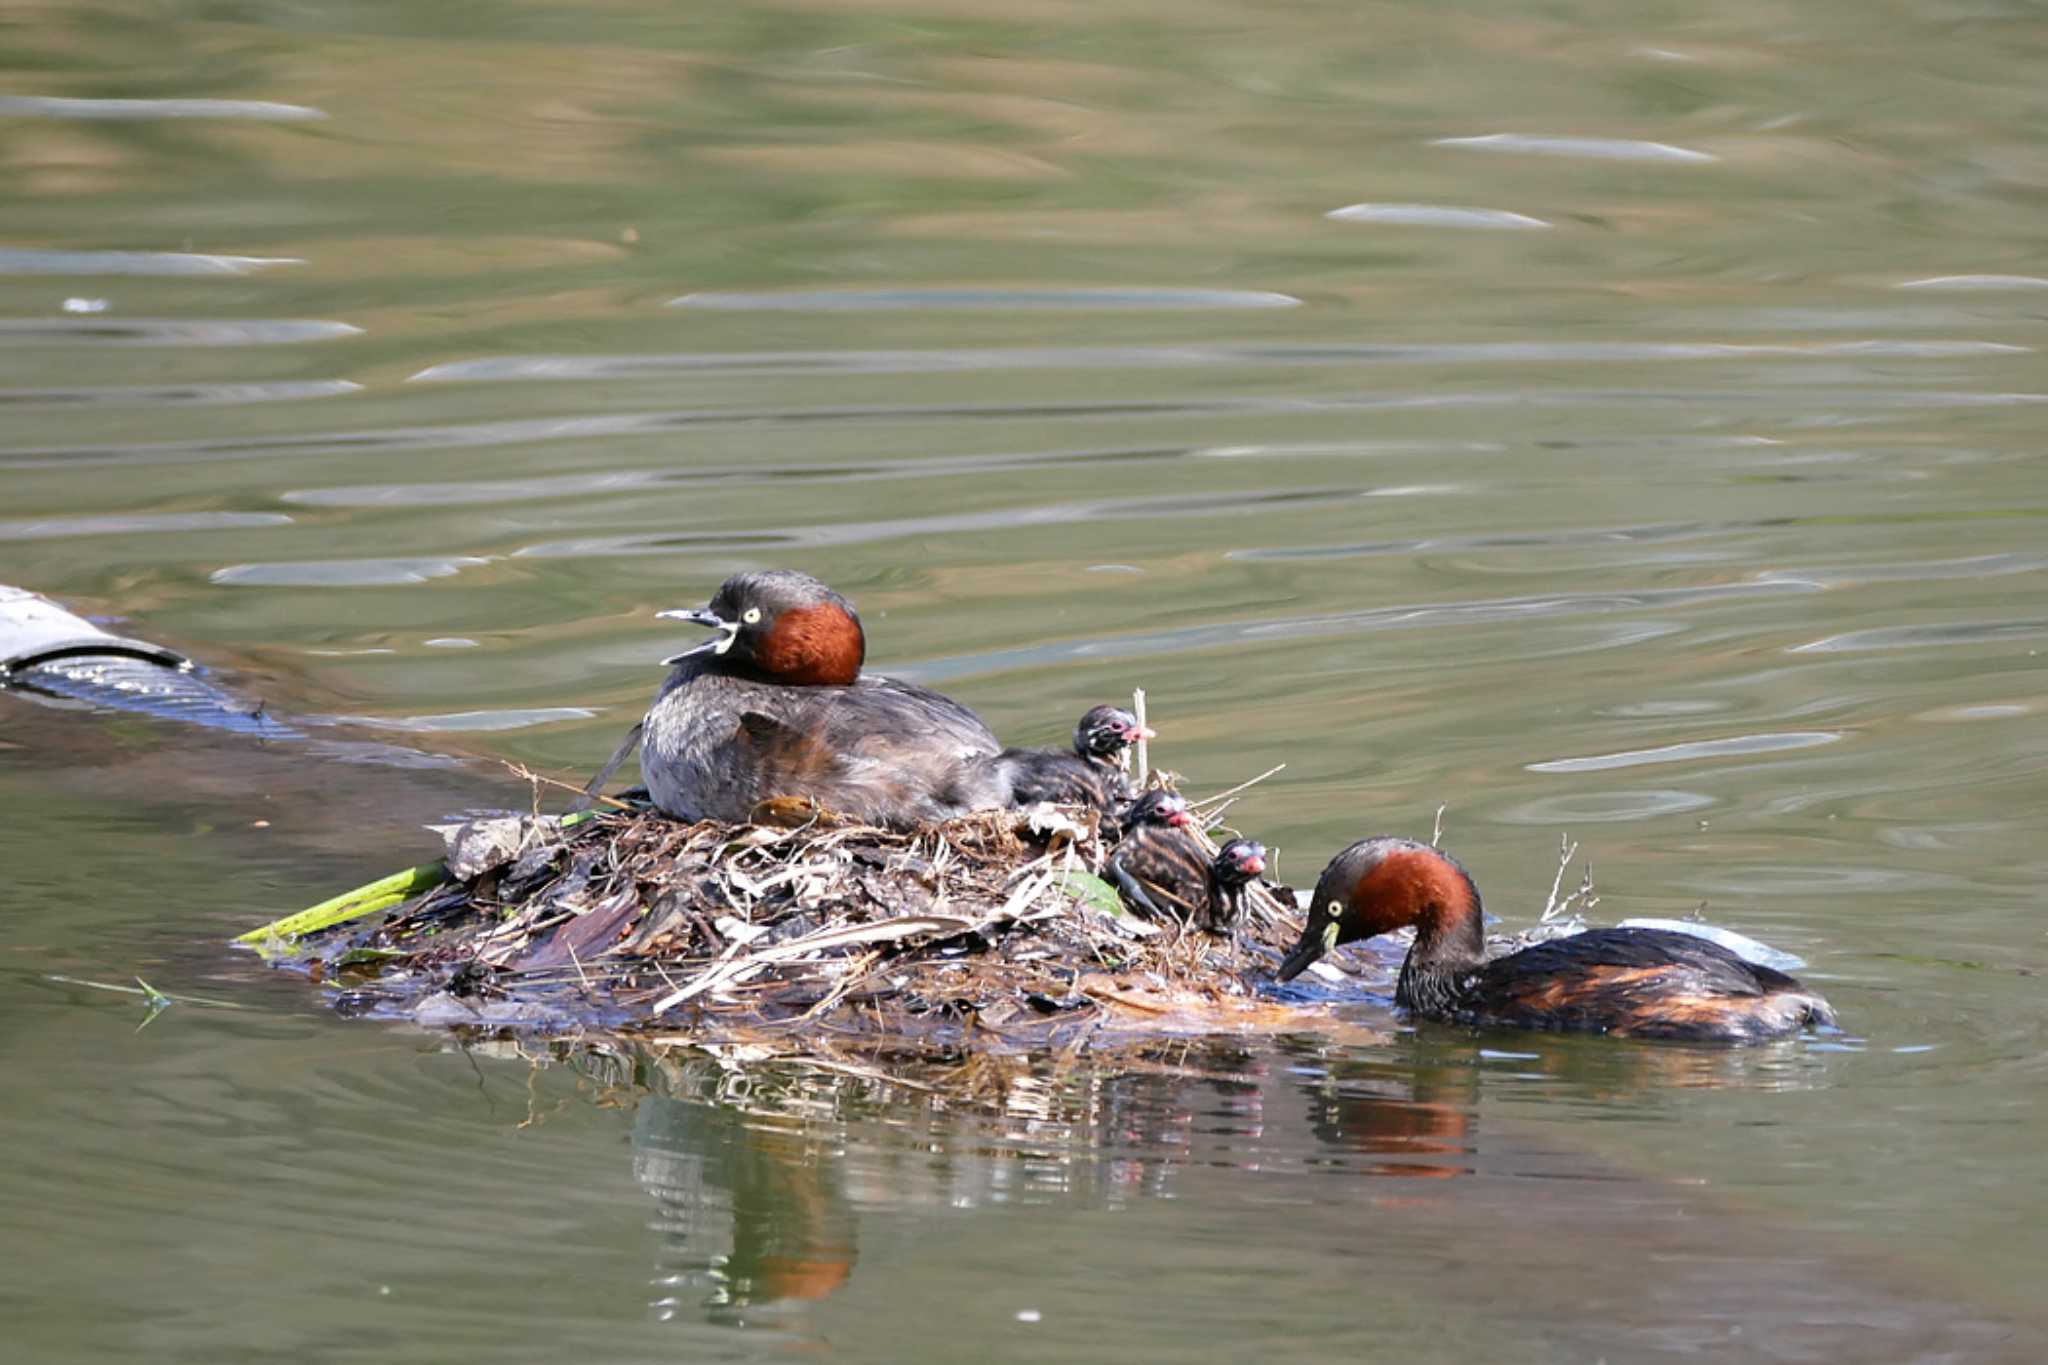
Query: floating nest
(990,932)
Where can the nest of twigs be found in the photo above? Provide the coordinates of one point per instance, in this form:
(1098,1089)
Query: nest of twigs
(993,930)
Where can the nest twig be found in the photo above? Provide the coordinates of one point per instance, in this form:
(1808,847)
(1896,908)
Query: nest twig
(1572,905)
(992,927)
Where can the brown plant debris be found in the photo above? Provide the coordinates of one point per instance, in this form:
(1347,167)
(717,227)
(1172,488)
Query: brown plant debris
(991,932)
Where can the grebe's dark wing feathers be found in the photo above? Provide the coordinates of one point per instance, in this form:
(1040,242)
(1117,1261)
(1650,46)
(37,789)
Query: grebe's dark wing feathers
(800,755)
(761,728)
(1632,949)
(1643,983)
(879,754)
(936,714)
(717,743)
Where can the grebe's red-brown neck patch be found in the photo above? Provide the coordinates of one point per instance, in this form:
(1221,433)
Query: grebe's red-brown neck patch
(815,646)
(1417,886)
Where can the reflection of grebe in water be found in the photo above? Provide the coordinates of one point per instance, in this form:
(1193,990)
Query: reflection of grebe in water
(756,1206)
(752,1213)
(760,1182)
(1408,1124)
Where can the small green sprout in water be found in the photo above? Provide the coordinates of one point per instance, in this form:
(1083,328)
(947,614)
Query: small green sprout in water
(157,1000)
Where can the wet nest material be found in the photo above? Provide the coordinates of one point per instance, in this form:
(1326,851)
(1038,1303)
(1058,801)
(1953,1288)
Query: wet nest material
(992,932)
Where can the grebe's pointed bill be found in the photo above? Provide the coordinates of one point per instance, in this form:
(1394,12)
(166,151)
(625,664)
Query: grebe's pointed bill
(1131,736)
(1314,943)
(701,616)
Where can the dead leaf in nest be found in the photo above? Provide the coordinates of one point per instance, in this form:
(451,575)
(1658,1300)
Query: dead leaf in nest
(972,931)
(798,812)
(479,846)
(1168,1006)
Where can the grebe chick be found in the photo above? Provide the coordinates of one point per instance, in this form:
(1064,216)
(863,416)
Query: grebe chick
(1164,871)
(1092,773)
(1238,864)
(1637,983)
(1157,808)
(776,705)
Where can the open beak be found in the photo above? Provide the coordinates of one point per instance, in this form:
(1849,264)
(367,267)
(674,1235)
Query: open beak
(702,616)
(1314,943)
(1180,819)
(1253,867)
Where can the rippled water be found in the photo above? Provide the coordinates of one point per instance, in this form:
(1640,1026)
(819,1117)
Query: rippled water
(1617,424)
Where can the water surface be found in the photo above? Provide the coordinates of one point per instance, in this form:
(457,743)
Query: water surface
(1626,427)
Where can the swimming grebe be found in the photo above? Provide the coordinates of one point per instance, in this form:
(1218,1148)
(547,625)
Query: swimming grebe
(776,705)
(1092,773)
(1639,983)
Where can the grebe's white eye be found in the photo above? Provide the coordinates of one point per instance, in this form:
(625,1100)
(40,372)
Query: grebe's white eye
(1336,909)
(752,616)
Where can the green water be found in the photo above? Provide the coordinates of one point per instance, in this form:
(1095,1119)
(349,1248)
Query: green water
(1683,491)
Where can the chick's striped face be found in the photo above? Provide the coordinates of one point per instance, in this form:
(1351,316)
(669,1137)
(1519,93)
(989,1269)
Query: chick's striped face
(1162,809)
(1106,732)
(1240,860)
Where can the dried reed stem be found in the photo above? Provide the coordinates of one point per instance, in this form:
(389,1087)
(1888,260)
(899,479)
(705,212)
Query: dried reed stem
(1144,753)
(1242,786)
(1580,899)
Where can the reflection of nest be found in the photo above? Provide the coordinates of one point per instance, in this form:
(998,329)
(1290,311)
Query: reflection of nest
(991,930)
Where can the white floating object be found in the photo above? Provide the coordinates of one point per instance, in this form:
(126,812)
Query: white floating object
(57,106)
(1743,946)
(1972,283)
(341,573)
(1010,300)
(1599,148)
(36,261)
(1433,215)
(1737,746)
(464,722)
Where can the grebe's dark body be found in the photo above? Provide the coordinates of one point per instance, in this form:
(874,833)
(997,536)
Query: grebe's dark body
(1637,983)
(1092,773)
(1164,871)
(776,706)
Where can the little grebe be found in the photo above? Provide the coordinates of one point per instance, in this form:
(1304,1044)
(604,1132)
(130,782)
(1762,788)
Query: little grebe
(776,705)
(1164,871)
(1092,773)
(1238,864)
(1640,983)
(1156,809)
